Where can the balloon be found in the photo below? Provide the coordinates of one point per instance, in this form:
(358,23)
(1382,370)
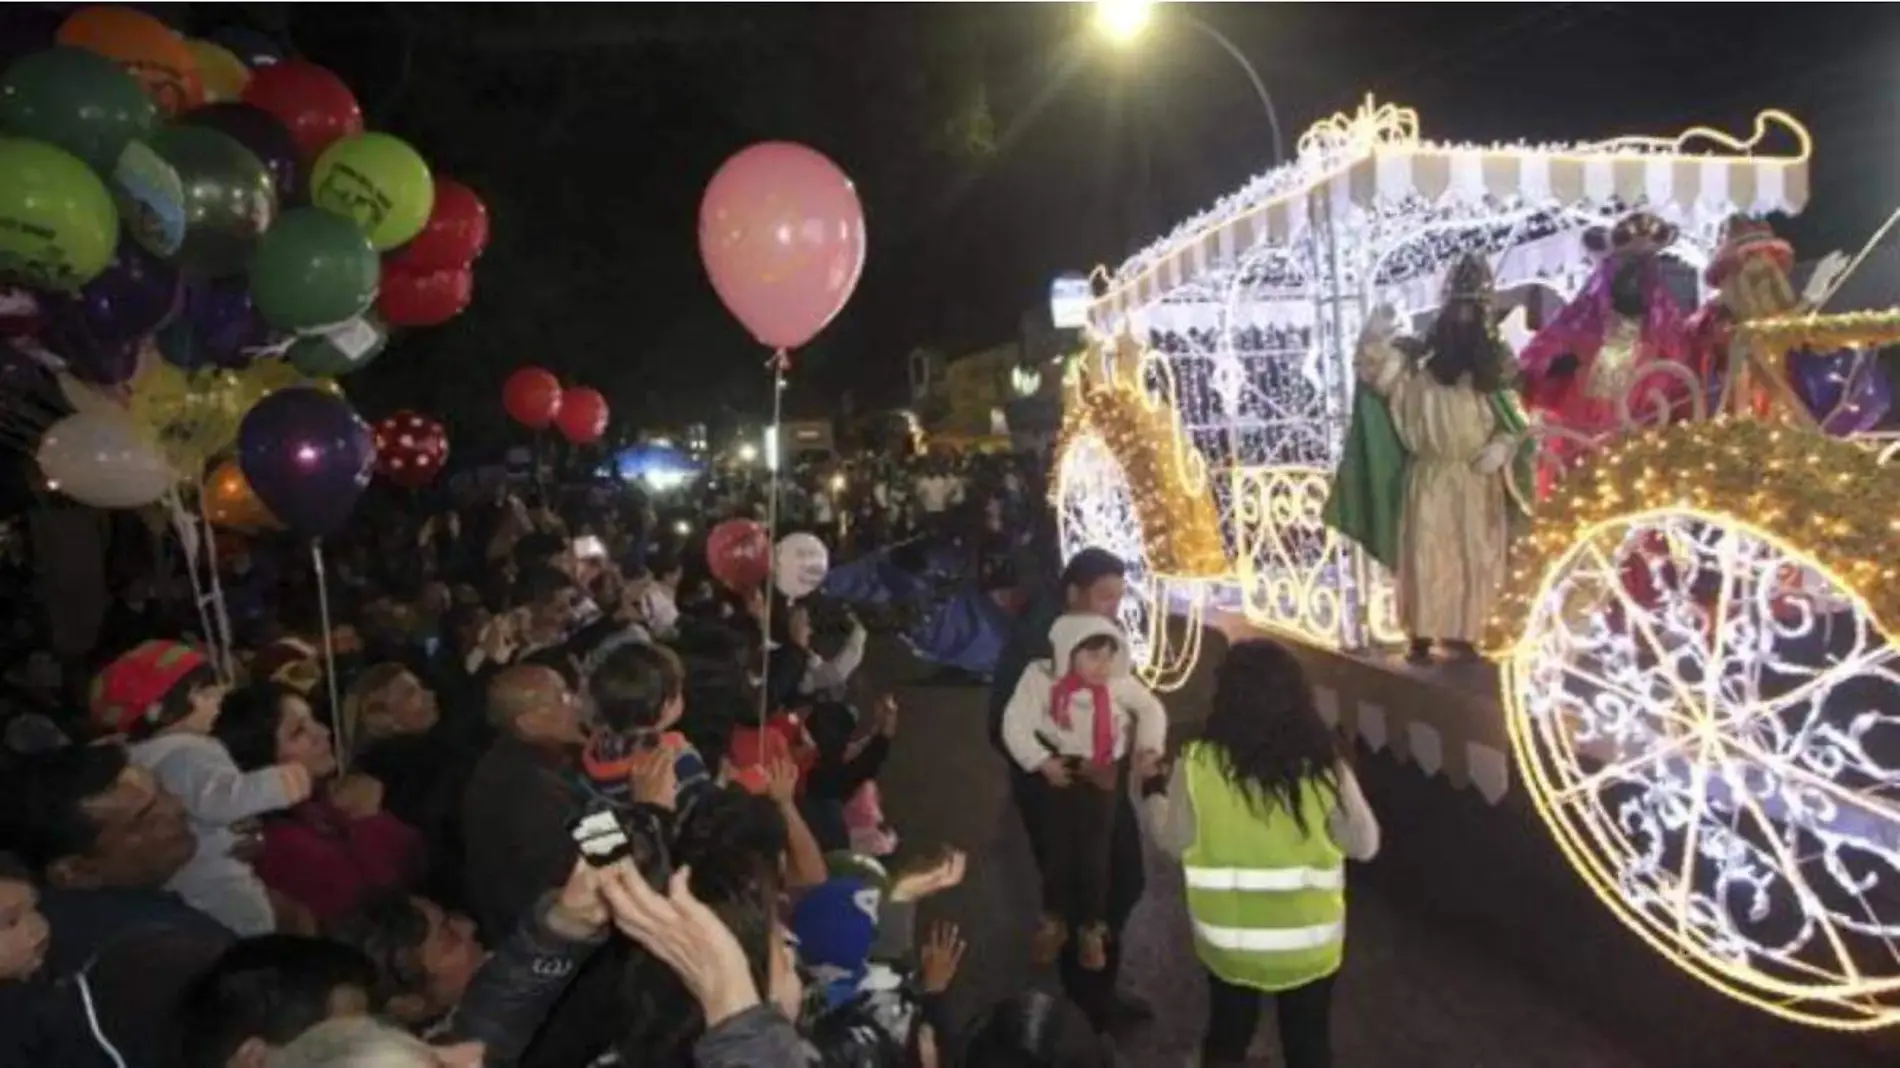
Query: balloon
(735,554)
(801,563)
(308,457)
(378,181)
(150,50)
(532,397)
(227,202)
(454,236)
(230,502)
(409,298)
(312,103)
(134,295)
(259,131)
(340,350)
(782,236)
(100,458)
(583,415)
(251,47)
(411,449)
(219,327)
(312,270)
(57,223)
(223,75)
(1847,391)
(78,100)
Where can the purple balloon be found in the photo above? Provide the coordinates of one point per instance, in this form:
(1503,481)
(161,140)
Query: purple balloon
(1847,391)
(219,327)
(134,295)
(259,131)
(308,456)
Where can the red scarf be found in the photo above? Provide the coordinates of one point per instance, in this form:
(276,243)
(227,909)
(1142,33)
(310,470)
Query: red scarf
(1065,690)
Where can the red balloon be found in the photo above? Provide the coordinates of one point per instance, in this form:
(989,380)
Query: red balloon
(583,415)
(738,554)
(532,397)
(424,298)
(454,236)
(411,449)
(312,103)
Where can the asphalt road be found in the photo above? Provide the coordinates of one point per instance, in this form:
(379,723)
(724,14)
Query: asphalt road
(1470,944)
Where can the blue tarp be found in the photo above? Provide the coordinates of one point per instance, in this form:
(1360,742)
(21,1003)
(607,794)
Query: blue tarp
(967,632)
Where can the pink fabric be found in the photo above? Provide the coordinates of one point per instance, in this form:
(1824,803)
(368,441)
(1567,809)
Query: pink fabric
(1103,742)
(1579,329)
(328,863)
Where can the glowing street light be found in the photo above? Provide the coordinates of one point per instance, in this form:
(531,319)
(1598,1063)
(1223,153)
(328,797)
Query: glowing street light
(748,453)
(1121,21)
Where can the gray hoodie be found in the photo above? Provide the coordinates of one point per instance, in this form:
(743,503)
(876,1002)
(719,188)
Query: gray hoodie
(199,772)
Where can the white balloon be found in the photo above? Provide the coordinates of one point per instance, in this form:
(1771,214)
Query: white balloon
(800,565)
(100,458)
(87,398)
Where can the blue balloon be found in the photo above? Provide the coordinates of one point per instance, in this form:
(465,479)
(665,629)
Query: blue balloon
(307,456)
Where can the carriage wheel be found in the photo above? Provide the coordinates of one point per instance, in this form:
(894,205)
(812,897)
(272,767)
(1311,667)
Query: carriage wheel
(1719,757)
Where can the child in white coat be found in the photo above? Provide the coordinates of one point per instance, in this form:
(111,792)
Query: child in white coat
(1072,719)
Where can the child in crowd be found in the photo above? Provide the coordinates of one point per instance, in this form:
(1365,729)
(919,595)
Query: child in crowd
(163,697)
(1068,722)
(638,696)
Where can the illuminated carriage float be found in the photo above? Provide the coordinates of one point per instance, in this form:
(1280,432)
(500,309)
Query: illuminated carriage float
(1694,650)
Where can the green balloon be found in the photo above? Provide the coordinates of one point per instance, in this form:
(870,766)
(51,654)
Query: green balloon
(378,181)
(78,100)
(313,270)
(335,353)
(57,223)
(227,199)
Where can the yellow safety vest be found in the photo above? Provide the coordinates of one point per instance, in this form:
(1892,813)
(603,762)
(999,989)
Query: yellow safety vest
(1268,902)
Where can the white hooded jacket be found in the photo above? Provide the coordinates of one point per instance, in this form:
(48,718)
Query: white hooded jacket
(1030,733)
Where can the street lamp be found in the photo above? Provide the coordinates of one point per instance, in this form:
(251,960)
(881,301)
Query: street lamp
(1123,21)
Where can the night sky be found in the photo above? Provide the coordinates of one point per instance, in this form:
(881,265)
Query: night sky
(994,145)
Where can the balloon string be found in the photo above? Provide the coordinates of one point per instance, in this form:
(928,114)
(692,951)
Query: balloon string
(187,539)
(779,363)
(221,617)
(344,728)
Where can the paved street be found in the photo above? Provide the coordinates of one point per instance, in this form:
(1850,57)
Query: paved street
(1470,944)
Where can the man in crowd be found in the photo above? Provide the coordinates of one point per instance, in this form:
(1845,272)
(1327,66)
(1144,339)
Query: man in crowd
(103,838)
(522,795)
(264,992)
(1093,581)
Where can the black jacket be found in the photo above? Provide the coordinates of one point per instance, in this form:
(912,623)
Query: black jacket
(515,816)
(1028,642)
(510,997)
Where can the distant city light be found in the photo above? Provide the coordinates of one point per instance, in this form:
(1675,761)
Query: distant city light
(748,453)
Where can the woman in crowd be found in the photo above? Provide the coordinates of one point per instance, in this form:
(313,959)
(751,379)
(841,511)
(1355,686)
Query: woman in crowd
(336,848)
(1264,811)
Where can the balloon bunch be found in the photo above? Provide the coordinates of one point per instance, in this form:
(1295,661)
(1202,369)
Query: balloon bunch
(195,237)
(534,397)
(411,449)
(740,556)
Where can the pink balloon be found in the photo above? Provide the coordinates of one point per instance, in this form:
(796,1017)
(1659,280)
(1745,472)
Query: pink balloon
(782,236)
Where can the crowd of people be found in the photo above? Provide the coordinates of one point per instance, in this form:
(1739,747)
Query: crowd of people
(574,804)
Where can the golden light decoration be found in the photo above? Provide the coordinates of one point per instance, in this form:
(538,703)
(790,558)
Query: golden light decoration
(1823,496)
(1179,526)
